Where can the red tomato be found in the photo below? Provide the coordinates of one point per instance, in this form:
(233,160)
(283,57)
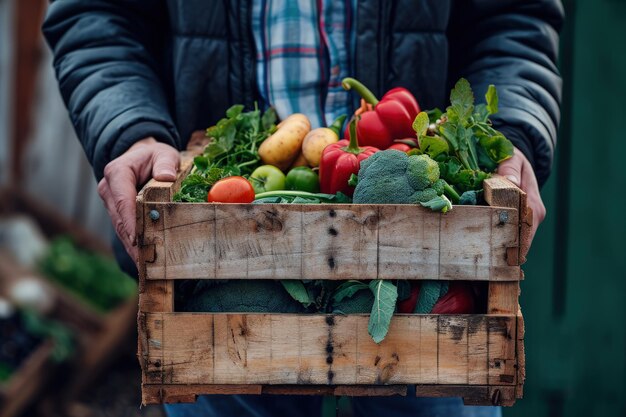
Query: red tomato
(403,147)
(231,190)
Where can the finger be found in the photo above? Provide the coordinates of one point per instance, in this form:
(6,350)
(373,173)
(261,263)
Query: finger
(165,163)
(105,193)
(122,184)
(512,169)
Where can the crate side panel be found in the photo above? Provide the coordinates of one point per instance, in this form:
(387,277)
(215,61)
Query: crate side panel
(340,242)
(452,350)
(258,241)
(408,242)
(319,349)
(504,237)
(189,232)
(466,244)
(501,344)
(477,362)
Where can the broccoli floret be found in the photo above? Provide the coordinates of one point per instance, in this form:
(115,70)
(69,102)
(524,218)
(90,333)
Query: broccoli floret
(423,196)
(392,177)
(422,171)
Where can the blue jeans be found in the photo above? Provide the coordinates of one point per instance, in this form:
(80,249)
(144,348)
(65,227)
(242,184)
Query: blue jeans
(310,406)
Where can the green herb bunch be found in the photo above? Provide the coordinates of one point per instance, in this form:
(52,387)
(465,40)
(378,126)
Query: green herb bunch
(462,140)
(233,150)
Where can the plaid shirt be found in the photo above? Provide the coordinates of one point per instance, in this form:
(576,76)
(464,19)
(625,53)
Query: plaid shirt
(303,52)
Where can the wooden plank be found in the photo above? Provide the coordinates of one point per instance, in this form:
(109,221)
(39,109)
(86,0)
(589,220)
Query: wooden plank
(255,241)
(339,242)
(241,241)
(502,336)
(477,350)
(520,356)
(328,350)
(408,242)
(160,191)
(503,298)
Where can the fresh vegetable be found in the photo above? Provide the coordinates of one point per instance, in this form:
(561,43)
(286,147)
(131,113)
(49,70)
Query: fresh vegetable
(231,190)
(393,177)
(407,305)
(388,119)
(462,140)
(283,146)
(302,179)
(402,147)
(317,139)
(94,278)
(267,178)
(459,299)
(300,197)
(385,296)
(300,160)
(340,160)
(232,151)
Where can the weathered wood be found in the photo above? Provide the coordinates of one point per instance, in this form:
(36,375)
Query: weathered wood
(243,241)
(521,356)
(503,297)
(162,191)
(204,348)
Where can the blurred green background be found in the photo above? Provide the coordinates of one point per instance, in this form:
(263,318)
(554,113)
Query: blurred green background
(572,297)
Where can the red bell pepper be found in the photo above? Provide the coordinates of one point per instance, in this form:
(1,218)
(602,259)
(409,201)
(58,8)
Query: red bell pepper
(340,160)
(407,306)
(458,300)
(388,119)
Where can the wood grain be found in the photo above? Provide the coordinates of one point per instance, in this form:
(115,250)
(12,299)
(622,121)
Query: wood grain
(247,241)
(204,348)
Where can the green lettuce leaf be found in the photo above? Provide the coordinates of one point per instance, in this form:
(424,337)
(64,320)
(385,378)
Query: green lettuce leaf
(385,296)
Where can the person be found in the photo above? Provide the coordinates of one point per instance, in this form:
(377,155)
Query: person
(138,77)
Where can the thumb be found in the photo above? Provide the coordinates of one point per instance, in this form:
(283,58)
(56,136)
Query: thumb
(165,163)
(512,169)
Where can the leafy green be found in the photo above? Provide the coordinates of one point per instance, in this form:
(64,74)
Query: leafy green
(420,124)
(347,289)
(439,203)
(474,148)
(297,290)
(92,277)
(235,140)
(385,296)
(45,328)
(300,197)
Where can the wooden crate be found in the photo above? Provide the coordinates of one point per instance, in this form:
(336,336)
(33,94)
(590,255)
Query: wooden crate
(477,357)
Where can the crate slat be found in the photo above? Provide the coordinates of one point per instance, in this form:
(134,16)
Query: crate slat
(206,348)
(243,241)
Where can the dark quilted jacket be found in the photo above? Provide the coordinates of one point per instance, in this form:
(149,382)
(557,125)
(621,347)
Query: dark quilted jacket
(129,69)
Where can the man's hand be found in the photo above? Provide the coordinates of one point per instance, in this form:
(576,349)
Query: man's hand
(520,172)
(144,160)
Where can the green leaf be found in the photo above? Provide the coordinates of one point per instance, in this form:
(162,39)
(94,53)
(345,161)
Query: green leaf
(498,147)
(420,124)
(439,203)
(201,162)
(353,180)
(348,289)
(470,198)
(481,114)
(297,291)
(433,145)
(385,296)
(269,118)
(492,99)
(462,100)
(434,114)
(430,291)
(234,111)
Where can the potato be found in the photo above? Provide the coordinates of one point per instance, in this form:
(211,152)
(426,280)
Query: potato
(315,142)
(300,161)
(283,146)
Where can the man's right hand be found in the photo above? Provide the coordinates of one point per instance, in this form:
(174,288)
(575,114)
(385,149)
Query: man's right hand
(144,160)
